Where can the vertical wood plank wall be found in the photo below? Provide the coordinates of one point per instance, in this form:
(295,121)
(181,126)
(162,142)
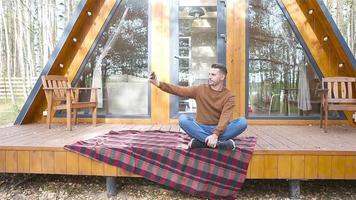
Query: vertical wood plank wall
(160,51)
(236,52)
(278,165)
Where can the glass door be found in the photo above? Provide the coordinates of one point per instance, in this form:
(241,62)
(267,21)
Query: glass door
(198,39)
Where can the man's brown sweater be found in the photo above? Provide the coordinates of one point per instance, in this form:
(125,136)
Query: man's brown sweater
(213,107)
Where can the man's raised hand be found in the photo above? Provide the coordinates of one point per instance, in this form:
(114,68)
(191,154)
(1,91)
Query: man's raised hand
(153,79)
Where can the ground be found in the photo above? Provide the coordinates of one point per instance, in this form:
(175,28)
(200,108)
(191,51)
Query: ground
(9,112)
(27,186)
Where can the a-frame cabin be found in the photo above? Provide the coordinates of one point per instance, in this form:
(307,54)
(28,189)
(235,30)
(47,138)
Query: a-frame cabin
(274,51)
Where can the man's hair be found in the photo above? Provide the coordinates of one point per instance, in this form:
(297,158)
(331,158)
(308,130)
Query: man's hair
(221,68)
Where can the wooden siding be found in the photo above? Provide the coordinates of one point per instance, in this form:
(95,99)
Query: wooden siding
(160,62)
(282,152)
(236,52)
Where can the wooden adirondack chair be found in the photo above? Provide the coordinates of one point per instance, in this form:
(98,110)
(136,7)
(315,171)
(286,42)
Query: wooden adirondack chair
(61,96)
(336,94)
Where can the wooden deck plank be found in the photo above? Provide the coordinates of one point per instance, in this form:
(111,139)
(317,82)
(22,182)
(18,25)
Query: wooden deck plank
(297,140)
(110,170)
(16,131)
(58,134)
(311,167)
(23,161)
(84,165)
(72,163)
(257,165)
(271,166)
(47,162)
(60,162)
(97,168)
(267,140)
(20,134)
(350,167)
(324,165)
(284,166)
(11,161)
(283,152)
(298,167)
(252,131)
(2,161)
(275,133)
(338,167)
(31,136)
(35,161)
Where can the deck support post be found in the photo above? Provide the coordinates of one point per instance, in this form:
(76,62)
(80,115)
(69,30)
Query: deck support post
(294,189)
(111,186)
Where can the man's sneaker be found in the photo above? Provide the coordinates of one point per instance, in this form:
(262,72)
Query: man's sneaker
(227,145)
(194,143)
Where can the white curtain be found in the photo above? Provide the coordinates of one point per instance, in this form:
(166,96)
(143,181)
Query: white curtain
(97,74)
(303,89)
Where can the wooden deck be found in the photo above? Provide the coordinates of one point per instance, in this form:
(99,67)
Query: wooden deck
(282,152)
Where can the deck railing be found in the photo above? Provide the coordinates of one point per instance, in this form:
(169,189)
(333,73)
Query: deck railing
(21,87)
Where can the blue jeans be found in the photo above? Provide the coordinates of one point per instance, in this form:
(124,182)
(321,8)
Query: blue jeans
(201,131)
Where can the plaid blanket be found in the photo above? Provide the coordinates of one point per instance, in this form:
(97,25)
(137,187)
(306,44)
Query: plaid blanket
(163,157)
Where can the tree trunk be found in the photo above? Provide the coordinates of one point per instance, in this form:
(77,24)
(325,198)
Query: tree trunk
(352,27)
(13,40)
(20,50)
(35,9)
(27,36)
(8,56)
(60,18)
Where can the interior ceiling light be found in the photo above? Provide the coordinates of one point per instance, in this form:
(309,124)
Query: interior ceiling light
(196,12)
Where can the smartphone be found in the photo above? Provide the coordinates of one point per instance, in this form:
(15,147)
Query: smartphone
(152,76)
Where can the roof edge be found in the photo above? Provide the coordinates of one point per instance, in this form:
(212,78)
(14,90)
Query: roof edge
(337,33)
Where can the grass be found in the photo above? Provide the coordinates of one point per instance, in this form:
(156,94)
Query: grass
(9,112)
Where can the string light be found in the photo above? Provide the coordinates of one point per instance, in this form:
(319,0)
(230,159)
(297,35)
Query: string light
(310,11)
(341,65)
(325,38)
(89,13)
(61,65)
(75,39)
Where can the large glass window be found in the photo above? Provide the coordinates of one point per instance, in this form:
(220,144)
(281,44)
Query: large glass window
(197,48)
(344,15)
(282,81)
(119,62)
(198,41)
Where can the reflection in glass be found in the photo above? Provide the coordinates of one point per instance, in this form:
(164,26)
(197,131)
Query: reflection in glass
(281,80)
(118,63)
(197,48)
(344,15)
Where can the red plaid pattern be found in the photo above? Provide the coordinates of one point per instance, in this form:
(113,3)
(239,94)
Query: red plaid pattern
(163,157)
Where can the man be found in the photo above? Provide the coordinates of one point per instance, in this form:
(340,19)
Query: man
(213,126)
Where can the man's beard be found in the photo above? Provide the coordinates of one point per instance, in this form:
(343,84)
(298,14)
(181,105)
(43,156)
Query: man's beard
(212,83)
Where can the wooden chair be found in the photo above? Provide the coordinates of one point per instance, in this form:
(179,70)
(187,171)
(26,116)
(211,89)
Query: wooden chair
(336,94)
(61,96)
